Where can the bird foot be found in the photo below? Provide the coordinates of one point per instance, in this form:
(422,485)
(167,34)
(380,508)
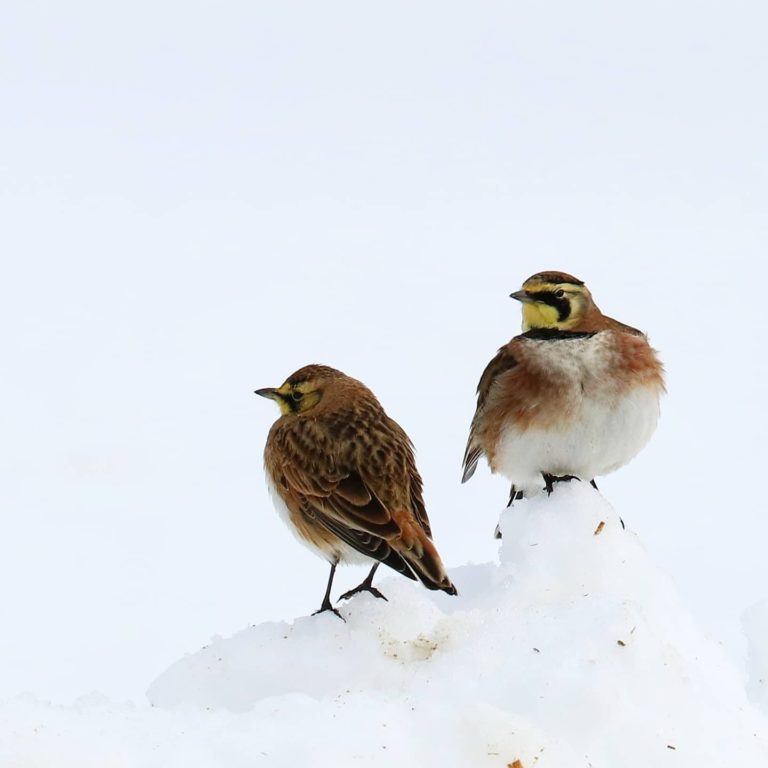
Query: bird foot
(550,480)
(323,608)
(363,588)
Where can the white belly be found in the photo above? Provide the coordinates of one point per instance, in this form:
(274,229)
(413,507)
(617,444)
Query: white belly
(339,552)
(601,435)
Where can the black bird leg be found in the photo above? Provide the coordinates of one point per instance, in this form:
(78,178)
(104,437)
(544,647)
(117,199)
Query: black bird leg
(550,480)
(594,485)
(326,606)
(365,586)
(514,495)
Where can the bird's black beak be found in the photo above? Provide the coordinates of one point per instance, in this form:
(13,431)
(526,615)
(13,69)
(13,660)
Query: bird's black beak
(521,296)
(268,392)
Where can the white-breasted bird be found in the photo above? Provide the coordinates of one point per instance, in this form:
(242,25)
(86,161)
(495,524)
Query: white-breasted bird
(576,395)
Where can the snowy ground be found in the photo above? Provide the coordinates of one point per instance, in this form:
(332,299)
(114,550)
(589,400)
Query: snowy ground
(573,651)
(756,628)
(198,198)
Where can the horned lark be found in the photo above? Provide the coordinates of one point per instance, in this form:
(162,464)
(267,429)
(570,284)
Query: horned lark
(576,395)
(343,477)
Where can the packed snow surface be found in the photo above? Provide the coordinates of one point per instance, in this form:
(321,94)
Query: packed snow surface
(756,628)
(572,651)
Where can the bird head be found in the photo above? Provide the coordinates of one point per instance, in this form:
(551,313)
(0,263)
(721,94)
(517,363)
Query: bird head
(554,300)
(303,389)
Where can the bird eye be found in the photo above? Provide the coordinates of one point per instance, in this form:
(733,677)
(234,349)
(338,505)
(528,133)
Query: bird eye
(559,293)
(296,395)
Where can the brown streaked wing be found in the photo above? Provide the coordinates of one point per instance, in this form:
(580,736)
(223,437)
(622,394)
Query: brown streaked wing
(503,361)
(343,480)
(395,442)
(370,516)
(382,454)
(417,501)
(366,543)
(298,449)
(310,483)
(339,493)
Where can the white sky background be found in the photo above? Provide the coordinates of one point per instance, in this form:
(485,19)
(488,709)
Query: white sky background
(198,198)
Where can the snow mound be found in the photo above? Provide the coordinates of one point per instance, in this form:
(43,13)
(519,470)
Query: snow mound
(573,651)
(755,623)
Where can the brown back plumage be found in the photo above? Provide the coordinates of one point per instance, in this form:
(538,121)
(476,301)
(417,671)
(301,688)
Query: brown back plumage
(346,470)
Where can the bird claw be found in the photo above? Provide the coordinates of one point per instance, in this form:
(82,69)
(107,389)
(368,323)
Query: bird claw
(550,480)
(362,588)
(330,608)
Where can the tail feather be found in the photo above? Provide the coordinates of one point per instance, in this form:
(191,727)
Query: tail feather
(471,457)
(425,562)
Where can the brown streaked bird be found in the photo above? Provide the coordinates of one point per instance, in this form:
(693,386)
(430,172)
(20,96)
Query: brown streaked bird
(576,395)
(343,477)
